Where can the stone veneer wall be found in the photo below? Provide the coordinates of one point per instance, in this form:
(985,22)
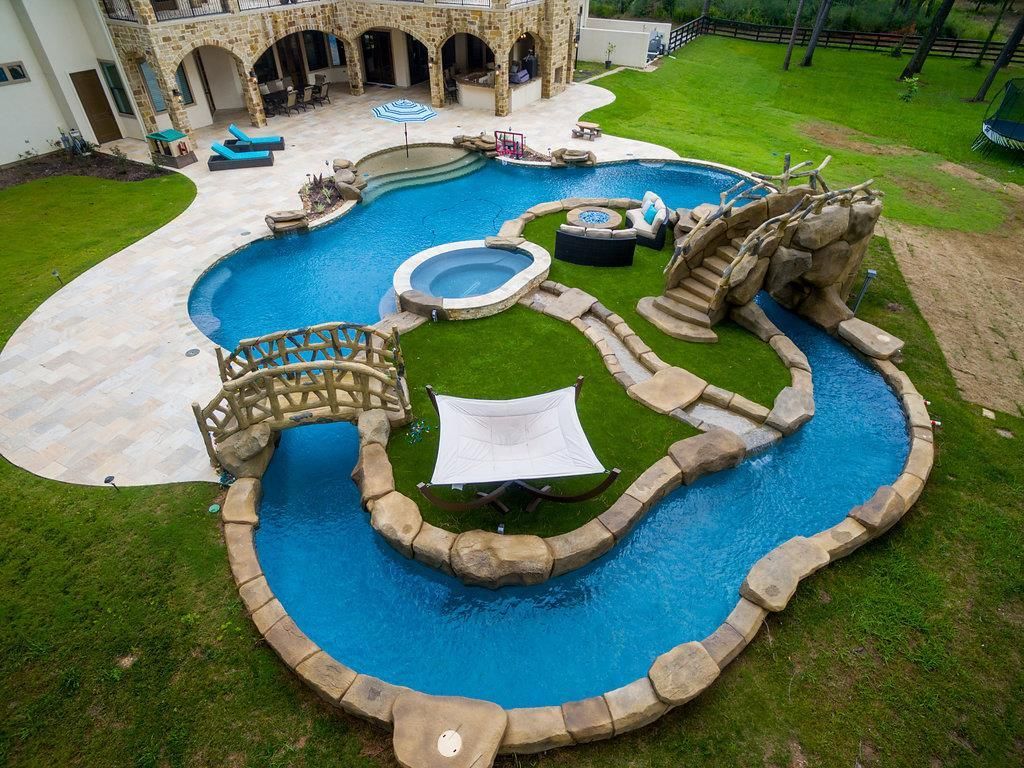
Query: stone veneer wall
(246,35)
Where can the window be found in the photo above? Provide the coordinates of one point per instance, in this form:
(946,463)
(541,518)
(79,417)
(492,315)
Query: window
(336,49)
(13,72)
(266,66)
(316,49)
(156,96)
(116,86)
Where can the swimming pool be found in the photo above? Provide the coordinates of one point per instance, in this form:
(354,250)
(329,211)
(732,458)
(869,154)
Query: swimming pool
(343,271)
(675,578)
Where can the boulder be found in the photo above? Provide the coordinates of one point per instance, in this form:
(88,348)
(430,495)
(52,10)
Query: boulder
(289,642)
(371,699)
(243,501)
(881,511)
(869,339)
(863,217)
(824,307)
(570,305)
(773,579)
(512,228)
(829,264)
(345,176)
(683,673)
(724,644)
(341,163)
(792,409)
(783,202)
(433,546)
(858,250)
(544,209)
(286,221)
(492,560)
(504,243)
(668,389)
(747,618)
(325,676)
(422,724)
(397,518)
(920,458)
(819,229)
(842,538)
(373,473)
(712,451)
(534,729)
(588,720)
(789,352)
(621,516)
(753,318)
(247,453)
(374,427)
(786,266)
(750,216)
(634,706)
(578,547)
(349,191)
(746,290)
(659,479)
(748,408)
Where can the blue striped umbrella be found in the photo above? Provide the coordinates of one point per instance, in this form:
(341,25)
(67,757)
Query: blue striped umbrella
(404,111)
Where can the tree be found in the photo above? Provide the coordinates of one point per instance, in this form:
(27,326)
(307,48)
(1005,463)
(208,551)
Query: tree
(819,24)
(992,33)
(792,36)
(706,9)
(916,63)
(1002,60)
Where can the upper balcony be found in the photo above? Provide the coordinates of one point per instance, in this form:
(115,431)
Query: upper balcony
(176,10)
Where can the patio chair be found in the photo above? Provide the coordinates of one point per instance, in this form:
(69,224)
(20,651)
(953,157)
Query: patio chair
(245,143)
(290,103)
(225,158)
(307,98)
(649,221)
(321,94)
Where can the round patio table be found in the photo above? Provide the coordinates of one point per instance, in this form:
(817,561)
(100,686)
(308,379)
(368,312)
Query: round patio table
(594,217)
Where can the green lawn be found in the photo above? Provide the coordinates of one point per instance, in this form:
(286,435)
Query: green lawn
(729,101)
(123,642)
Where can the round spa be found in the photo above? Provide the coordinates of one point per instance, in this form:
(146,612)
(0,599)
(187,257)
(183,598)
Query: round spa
(467,279)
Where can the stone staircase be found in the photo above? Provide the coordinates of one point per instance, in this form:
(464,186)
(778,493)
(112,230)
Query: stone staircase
(690,309)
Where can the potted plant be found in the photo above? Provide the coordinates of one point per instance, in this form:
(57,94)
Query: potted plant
(608,55)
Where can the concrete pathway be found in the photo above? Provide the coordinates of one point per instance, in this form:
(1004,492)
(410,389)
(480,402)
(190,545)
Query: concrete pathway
(96,381)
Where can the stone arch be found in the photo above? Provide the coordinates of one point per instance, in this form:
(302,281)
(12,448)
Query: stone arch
(240,56)
(425,42)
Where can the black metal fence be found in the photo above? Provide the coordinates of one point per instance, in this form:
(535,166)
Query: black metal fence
(120,10)
(247,5)
(944,47)
(167,10)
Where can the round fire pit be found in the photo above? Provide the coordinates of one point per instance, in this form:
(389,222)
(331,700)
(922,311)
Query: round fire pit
(594,217)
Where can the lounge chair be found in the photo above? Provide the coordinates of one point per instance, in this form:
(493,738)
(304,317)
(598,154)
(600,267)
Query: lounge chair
(225,158)
(243,142)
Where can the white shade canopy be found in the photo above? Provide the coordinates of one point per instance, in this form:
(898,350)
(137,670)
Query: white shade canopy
(521,439)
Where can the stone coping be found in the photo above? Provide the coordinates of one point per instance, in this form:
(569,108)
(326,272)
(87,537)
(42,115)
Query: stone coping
(470,307)
(674,678)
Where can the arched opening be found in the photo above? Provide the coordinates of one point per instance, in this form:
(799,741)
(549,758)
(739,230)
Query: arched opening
(469,71)
(309,63)
(393,57)
(524,71)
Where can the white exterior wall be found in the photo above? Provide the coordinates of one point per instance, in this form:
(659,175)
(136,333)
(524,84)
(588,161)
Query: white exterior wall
(630,47)
(199,112)
(222,75)
(400,58)
(38,113)
(525,93)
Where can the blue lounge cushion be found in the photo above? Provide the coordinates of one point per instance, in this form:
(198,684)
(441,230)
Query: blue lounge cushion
(230,154)
(243,137)
(650,213)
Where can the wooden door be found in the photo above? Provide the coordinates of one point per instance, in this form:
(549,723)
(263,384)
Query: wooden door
(97,108)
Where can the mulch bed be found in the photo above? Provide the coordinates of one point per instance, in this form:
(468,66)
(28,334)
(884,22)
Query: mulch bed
(100,165)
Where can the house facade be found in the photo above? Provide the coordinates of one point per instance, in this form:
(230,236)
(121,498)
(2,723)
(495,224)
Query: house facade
(125,68)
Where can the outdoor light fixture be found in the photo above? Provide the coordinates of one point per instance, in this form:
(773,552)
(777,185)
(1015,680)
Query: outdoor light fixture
(109,480)
(176,93)
(871,275)
(56,274)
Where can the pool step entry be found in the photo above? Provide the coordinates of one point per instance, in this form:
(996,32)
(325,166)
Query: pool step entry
(378,185)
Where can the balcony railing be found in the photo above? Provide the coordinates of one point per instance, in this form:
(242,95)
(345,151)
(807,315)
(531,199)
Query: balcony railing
(466,3)
(120,10)
(248,5)
(169,10)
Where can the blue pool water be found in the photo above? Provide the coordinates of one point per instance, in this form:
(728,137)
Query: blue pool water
(468,271)
(343,271)
(675,578)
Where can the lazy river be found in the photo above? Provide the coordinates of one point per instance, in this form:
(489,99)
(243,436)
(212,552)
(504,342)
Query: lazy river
(674,579)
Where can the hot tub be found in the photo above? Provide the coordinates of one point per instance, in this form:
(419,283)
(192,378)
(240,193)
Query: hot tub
(466,279)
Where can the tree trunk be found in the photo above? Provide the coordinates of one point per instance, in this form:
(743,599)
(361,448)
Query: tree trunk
(1004,58)
(706,9)
(792,36)
(991,33)
(916,63)
(819,24)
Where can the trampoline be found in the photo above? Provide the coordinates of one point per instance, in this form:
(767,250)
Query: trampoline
(1003,126)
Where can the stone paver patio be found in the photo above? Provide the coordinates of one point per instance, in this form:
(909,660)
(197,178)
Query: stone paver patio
(96,382)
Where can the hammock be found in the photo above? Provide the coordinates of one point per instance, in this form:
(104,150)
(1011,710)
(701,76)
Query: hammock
(1003,126)
(506,441)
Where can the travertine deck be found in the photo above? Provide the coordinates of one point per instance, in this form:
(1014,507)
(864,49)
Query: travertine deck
(96,381)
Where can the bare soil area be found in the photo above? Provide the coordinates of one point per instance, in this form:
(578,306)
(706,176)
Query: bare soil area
(832,135)
(970,288)
(98,164)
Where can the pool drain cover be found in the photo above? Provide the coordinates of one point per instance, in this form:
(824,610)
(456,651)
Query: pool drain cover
(449,744)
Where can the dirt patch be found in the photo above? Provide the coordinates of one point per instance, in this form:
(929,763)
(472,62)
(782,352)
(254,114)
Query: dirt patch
(970,288)
(831,135)
(98,164)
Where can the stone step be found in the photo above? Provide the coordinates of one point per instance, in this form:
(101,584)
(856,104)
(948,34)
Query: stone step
(727,253)
(683,296)
(737,242)
(682,311)
(706,292)
(673,326)
(716,264)
(706,276)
